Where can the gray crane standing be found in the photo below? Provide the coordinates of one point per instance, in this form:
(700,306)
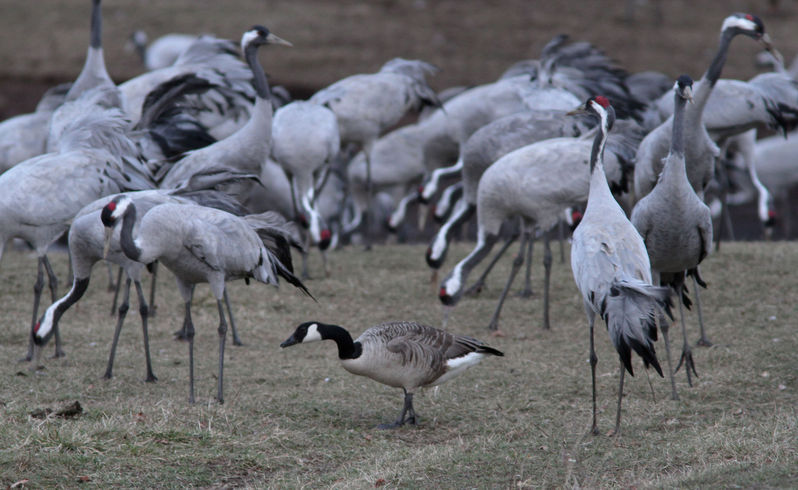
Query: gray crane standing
(612,270)
(675,224)
(201,244)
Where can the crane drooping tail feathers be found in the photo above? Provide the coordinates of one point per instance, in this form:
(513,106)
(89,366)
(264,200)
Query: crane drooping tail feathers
(630,314)
(278,236)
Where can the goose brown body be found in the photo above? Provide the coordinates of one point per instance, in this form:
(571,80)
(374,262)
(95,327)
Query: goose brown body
(406,355)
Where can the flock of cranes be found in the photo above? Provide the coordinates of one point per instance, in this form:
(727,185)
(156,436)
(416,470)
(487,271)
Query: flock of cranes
(200,165)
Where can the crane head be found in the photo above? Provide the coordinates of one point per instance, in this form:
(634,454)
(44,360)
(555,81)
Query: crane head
(684,87)
(258,35)
(751,26)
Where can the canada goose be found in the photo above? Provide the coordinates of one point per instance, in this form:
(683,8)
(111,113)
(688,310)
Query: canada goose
(407,355)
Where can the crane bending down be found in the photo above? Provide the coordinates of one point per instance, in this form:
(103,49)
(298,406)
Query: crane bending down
(86,248)
(675,224)
(612,270)
(200,244)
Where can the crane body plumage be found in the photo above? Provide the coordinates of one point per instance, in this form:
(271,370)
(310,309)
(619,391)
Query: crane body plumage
(612,270)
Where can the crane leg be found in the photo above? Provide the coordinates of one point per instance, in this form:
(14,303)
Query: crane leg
(222,337)
(480,283)
(687,353)
(703,341)
(370,196)
(119,322)
(664,327)
(116,287)
(111,283)
(144,313)
(153,308)
(38,286)
(527,291)
(591,318)
(236,339)
(53,283)
(561,238)
(188,329)
(617,428)
(182,333)
(517,263)
(547,259)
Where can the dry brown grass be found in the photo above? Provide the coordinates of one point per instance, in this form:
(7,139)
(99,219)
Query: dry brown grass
(295,418)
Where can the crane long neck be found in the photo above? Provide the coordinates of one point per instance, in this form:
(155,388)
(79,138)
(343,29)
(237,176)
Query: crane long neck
(259,80)
(716,66)
(597,152)
(95,40)
(677,138)
(347,348)
(126,240)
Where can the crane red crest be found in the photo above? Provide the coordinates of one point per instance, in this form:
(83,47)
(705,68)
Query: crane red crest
(603,101)
(111,206)
(749,17)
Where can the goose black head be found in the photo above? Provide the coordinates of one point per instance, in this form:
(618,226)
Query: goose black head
(306,332)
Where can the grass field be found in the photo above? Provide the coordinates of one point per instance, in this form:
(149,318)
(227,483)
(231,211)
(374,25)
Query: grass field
(295,418)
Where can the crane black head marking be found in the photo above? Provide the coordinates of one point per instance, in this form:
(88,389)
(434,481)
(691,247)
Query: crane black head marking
(684,81)
(747,24)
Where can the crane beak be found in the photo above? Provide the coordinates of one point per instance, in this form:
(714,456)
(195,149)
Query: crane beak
(107,242)
(578,111)
(688,94)
(272,39)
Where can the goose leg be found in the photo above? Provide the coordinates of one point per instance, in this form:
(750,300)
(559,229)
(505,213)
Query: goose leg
(591,318)
(144,313)
(517,263)
(236,339)
(407,409)
(53,283)
(480,283)
(617,428)
(527,291)
(116,287)
(222,337)
(687,353)
(119,321)
(546,280)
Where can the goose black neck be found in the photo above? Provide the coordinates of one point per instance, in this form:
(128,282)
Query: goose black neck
(677,138)
(347,348)
(259,80)
(716,66)
(96,25)
(126,237)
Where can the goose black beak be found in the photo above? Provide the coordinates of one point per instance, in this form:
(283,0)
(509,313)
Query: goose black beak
(289,342)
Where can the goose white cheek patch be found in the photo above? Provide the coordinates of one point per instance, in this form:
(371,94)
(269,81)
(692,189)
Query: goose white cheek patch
(313,334)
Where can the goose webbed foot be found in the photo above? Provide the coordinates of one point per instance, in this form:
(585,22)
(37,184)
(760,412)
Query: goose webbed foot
(408,415)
